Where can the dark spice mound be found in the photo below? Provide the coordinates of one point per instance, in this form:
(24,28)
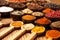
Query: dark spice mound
(17,5)
(3,2)
(34,6)
(53,6)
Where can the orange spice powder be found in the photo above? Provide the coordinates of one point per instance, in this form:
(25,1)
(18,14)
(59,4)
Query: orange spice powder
(53,34)
(13,0)
(17,23)
(28,17)
(47,10)
(22,0)
(43,21)
(16,0)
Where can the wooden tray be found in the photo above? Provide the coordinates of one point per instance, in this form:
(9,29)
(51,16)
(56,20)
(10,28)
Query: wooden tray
(13,33)
(7,33)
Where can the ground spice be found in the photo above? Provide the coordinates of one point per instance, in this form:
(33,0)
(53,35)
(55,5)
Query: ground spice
(43,21)
(22,0)
(54,14)
(28,17)
(16,0)
(47,10)
(53,34)
(38,29)
(13,0)
(17,23)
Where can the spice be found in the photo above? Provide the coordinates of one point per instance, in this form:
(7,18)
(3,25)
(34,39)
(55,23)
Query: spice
(28,26)
(17,13)
(16,0)
(38,29)
(6,21)
(47,10)
(55,24)
(43,21)
(53,34)
(27,11)
(54,14)
(6,9)
(16,24)
(22,0)
(13,0)
(37,14)
(34,6)
(28,17)
(17,5)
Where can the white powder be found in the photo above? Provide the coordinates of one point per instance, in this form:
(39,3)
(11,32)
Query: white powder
(6,9)
(28,26)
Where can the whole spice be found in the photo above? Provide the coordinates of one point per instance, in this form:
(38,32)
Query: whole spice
(43,21)
(17,5)
(37,14)
(34,6)
(27,11)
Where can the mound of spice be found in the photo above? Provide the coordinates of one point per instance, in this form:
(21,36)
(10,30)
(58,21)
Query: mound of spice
(34,6)
(47,10)
(27,11)
(16,24)
(52,6)
(54,14)
(40,14)
(6,21)
(12,0)
(17,5)
(16,0)
(38,29)
(3,2)
(43,21)
(6,9)
(52,34)
(56,24)
(28,17)
(17,13)
(22,0)
(28,26)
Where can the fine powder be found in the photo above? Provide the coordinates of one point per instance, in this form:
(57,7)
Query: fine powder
(5,9)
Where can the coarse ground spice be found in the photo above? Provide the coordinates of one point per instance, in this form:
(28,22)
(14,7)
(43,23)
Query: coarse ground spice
(53,34)
(43,21)
(12,0)
(47,10)
(16,0)
(38,29)
(54,14)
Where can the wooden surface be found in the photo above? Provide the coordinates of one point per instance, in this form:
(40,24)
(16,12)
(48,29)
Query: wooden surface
(14,33)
